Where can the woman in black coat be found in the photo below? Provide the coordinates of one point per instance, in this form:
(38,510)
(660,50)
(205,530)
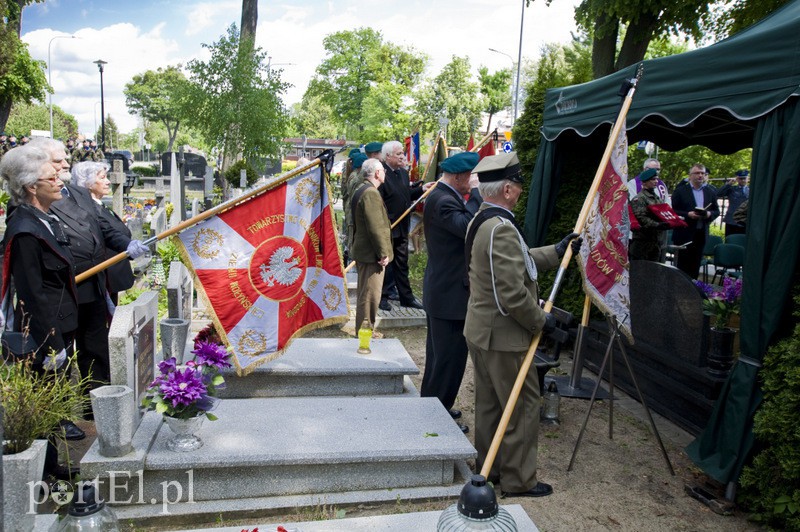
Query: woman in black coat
(37,257)
(94,177)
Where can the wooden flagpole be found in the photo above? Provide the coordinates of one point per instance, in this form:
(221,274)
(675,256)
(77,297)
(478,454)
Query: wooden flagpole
(222,207)
(526,363)
(425,194)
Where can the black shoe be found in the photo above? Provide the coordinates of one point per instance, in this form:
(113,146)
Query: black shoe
(62,472)
(71,430)
(464,428)
(394,296)
(455,414)
(414,303)
(539,490)
(384,305)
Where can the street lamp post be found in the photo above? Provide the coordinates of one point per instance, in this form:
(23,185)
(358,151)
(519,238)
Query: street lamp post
(95,118)
(50,76)
(516,88)
(100,64)
(519,61)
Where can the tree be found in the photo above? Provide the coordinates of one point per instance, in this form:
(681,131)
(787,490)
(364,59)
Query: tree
(314,118)
(640,21)
(22,78)
(740,14)
(112,134)
(496,89)
(236,101)
(159,95)
(24,117)
(451,95)
(356,63)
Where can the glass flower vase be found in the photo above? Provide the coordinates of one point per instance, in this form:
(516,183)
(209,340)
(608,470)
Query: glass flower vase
(184,439)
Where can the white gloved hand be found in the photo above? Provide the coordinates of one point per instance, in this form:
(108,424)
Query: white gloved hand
(54,362)
(136,249)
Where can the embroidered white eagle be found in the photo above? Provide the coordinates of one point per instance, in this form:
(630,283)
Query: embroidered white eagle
(282,268)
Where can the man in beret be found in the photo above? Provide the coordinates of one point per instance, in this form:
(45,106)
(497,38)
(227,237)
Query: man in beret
(646,241)
(445,288)
(398,194)
(503,316)
(373,150)
(372,242)
(737,192)
(84,154)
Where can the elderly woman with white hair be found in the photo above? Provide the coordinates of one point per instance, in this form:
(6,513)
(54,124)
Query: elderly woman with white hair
(93,176)
(38,257)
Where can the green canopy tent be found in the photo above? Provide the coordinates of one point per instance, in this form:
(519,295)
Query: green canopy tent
(741,92)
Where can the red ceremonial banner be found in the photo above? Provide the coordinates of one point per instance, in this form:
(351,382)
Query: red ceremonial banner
(270,268)
(665,213)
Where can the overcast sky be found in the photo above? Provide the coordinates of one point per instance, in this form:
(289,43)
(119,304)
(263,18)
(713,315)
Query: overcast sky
(136,35)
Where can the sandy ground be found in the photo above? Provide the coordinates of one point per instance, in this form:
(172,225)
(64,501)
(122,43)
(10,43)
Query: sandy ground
(619,484)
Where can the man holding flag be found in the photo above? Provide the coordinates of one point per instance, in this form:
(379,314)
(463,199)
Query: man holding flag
(503,316)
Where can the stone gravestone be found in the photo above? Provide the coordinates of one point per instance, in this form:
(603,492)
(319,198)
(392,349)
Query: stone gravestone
(136,227)
(132,344)
(195,207)
(208,186)
(117,178)
(180,291)
(667,312)
(159,223)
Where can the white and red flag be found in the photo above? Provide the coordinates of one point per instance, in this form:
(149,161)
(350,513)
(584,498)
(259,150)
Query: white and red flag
(603,259)
(270,268)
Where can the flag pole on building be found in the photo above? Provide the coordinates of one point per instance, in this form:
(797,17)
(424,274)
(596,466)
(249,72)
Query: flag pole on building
(579,224)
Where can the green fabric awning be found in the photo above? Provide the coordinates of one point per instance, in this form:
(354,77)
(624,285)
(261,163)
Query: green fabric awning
(741,92)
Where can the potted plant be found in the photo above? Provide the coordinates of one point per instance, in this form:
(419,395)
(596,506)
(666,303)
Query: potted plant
(185,395)
(721,304)
(33,404)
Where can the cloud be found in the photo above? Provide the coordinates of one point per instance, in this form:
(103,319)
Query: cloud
(76,79)
(289,33)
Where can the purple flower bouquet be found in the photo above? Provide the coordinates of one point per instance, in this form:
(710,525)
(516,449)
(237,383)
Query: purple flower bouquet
(722,303)
(190,391)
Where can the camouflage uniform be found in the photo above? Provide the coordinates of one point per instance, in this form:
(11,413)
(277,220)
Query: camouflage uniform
(645,242)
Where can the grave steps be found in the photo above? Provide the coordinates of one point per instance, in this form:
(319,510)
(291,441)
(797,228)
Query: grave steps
(328,366)
(317,448)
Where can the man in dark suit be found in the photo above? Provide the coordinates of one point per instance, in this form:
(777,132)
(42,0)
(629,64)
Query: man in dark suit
(446,286)
(696,203)
(88,243)
(397,196)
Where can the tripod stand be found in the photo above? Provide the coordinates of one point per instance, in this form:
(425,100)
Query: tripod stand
(613,328)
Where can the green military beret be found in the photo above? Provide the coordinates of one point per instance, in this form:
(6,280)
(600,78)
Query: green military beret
(3,134)
(358,160)
(373,147)
(499,167)
(355,151)
(460,163)
(647,175)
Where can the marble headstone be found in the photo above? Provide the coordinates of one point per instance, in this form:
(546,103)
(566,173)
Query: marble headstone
(132,344)
(667,312)
(180,290)
(195,207)
(159,223)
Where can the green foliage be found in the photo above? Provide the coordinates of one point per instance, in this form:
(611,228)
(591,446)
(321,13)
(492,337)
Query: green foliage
(34,403)
(236,99)
(160,96)
(314,117)
(112,134)
(150,170)
(359,67)
(22,78)
(452,95)
(130,295)
(169,251)
(738,15)
(233,174)
(675,165)
(27,116)
(771,485)
(496,89)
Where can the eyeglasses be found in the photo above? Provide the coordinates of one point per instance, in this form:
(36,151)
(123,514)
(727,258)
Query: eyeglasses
(699,173)
(51,179)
